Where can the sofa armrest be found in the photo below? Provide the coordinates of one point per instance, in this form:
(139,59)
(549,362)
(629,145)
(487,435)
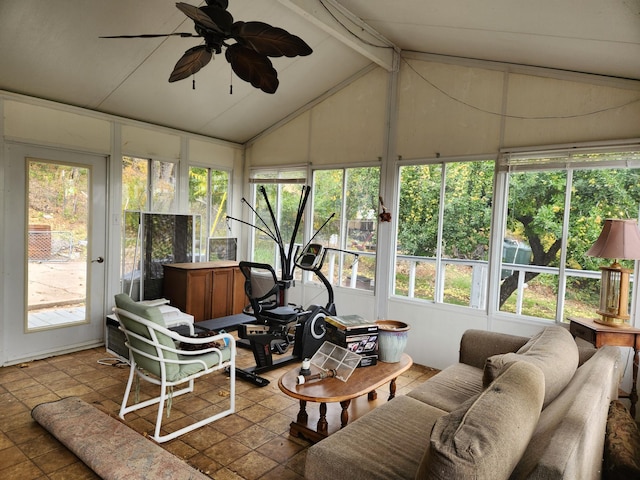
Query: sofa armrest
(478,345)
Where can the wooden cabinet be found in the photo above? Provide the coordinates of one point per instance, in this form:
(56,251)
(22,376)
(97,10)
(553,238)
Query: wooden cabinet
(205,290)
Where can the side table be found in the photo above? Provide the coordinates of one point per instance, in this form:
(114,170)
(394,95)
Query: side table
(599,335)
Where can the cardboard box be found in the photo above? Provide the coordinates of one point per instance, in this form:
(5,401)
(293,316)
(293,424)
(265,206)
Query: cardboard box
(355,334)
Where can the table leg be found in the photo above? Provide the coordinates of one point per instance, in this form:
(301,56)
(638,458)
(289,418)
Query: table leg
(302,414)
(323,425)
(392,389)
(344,415)
(633,396)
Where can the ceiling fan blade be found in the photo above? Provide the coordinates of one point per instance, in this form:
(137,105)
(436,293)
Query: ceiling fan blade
(198,16)
(253,67)
(268,40)
(224,4)
(192,61)
(219,16)
(153,35)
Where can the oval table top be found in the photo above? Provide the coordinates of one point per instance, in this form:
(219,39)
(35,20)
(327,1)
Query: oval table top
(362,381)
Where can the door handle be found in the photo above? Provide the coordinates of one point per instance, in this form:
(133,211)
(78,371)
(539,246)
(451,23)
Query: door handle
(98,260)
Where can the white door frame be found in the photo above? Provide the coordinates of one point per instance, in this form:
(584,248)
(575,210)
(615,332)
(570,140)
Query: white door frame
(17,345)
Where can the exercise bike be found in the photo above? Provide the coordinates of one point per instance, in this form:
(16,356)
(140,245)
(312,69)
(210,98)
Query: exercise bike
(280,326)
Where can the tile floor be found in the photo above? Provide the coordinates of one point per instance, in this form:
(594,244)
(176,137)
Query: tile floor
(253,443)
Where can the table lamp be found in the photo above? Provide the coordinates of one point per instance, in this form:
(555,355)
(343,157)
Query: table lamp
(619,240)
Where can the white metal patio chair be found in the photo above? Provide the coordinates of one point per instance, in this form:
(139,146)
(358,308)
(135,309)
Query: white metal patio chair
(156,356)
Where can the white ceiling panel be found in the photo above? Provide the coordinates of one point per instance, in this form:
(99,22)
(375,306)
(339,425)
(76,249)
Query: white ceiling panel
(52,50)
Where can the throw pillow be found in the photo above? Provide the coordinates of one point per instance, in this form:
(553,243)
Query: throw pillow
(486,436)
(553,350)
(621,445)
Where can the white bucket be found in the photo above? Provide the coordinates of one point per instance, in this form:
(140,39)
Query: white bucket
(392,340)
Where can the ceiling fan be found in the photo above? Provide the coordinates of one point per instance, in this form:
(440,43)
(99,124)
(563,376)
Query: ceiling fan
(249,55)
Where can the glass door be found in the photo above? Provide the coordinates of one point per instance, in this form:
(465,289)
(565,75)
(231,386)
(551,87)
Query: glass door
(58,251)
(57,240)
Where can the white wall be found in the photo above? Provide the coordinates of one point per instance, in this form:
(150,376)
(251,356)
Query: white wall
(347,127)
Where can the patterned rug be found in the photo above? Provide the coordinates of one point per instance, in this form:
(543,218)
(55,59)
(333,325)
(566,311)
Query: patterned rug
(110,448)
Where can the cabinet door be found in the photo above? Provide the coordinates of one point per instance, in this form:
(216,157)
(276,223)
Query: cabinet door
(239,299)
(221,292)
(199,295)
(174,287)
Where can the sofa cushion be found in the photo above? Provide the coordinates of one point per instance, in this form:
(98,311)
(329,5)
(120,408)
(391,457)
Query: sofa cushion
(569,439)
(478,345)
(485,437)
(385,444)
(553,350)
(450,388)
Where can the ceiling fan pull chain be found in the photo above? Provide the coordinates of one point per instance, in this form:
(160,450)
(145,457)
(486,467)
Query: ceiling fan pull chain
(230,82)
(193,83)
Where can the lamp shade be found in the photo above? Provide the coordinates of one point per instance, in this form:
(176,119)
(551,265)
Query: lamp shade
(619,239)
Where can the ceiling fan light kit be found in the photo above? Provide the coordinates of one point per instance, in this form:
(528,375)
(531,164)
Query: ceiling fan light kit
(253,44)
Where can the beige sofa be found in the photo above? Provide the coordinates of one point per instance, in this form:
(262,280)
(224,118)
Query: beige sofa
(513,407)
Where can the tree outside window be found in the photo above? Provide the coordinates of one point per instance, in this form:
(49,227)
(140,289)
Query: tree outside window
(558,214)
(208,197)
(444,221)
(554,207)
(148,185)
(345,212)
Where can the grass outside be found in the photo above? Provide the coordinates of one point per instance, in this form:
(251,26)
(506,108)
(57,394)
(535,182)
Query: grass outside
(539,295)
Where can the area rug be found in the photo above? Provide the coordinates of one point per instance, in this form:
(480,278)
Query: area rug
(107,446)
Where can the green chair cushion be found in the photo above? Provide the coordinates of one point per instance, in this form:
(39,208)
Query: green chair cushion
(174,371)
(210,359)
(153,314)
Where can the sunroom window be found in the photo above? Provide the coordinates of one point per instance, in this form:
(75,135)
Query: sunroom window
(444,221)
(148,185)
(208,197)
(345,208)
(283,190)
(557,202)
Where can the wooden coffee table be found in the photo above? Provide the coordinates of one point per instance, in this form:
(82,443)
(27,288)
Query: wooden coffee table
(363,381)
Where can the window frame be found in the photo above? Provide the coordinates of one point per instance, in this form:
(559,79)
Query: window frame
(207,220)
(566,158)
(342,266)
(440,259)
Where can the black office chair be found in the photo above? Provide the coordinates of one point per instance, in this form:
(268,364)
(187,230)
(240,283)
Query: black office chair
(263,290)
(274,329)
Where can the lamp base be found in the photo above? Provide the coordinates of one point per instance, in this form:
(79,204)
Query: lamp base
(611,321)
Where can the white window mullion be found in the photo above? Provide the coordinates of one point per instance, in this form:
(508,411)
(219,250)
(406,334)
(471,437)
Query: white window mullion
(562,276)
(440,274)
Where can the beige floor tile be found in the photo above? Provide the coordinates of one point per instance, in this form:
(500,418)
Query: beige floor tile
(252,444)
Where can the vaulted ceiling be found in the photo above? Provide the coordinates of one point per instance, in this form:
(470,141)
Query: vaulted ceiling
(52,50)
